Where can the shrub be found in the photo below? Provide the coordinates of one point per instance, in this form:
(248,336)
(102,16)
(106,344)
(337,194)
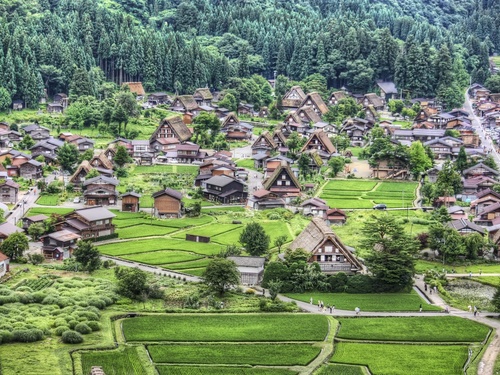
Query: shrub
(72,324)
(71,337)
(27,335)
(83,328)
(359,284)
(12,298)
(60,322)
(338,282)
(6,336)
(97,302)
(61,329)
(94,326)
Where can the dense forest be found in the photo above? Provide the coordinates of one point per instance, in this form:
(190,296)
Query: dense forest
(426,46)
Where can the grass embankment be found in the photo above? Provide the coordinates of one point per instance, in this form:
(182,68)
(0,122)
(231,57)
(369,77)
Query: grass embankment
(368,302)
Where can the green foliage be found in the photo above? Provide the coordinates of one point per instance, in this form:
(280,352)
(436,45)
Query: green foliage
(83,328)
(254,239)
(493,83)
(5,99)
(121,156)
(344,109)
(132,282)
(336,165)
(220,275)
(71,337)
(88,255)
(15,245)
(122,361)
(67,156)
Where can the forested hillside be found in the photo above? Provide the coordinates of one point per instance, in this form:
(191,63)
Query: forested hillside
(75,45)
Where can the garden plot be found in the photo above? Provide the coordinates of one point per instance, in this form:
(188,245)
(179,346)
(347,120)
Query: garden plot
(210,230)
(114,362)
(397,359)
(358,185)
(368,302)
(235,354)
(416,329)
(48,211)
(226,327)
(48,200)
(337,369)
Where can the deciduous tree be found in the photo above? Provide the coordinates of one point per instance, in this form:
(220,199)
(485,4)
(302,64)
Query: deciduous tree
(220,275)
(254,239)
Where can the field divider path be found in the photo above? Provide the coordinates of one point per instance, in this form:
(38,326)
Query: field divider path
(320,190)
(326,351)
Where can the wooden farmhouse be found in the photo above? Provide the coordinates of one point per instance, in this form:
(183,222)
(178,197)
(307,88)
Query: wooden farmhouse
(30,220)
(136,88)
(203,96)
(315,101)
(374,100)
(465,227)
(293,98)
(251,269)
(483,199)
(30,170)
(185,103)
(130,201)
(336,96)
(334,216)
(100,191)
(480,169)
(307,116)
(9,191)
(234,129)
(157,98)
(102,161)
(388,90)
(171,130)
(225,190)
(59,245)
(168,203)
(283,182)
(6,229)
(326,248)
(264,144)
(320,142)
(4,264)
(89,223)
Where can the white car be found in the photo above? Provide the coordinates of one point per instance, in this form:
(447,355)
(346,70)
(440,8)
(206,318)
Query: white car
(76,200)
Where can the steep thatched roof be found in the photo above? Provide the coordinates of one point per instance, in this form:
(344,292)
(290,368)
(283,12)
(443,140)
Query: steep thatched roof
(315,234)
(375,100)
(175,123)
(283,167)
(337,95)
(203,93)
(293,97)
(135,88)
(322,137)
(265,138)
(315,99)
(187,102)
(307,114)
(84,166)
(101,161)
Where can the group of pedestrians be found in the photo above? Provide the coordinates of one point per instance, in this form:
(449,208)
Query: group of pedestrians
(322,307)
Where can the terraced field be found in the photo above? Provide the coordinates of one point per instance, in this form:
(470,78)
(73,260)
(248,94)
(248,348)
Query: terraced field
(365,194)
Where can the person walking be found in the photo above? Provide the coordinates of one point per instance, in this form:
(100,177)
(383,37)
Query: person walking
(420,309)
(333,309)
(311,301)
(357,310)
(469,308)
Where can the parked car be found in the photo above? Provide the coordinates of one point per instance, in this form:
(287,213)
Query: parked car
(380,206)
(76,200)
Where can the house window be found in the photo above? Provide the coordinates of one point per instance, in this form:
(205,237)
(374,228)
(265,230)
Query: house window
(98,222)
(283,177)
(328,249)
(279,183)
(287,183)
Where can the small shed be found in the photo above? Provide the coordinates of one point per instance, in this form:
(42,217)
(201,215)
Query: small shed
(130,201)
(251,269)
(335,216)
(168,203)
(28,221)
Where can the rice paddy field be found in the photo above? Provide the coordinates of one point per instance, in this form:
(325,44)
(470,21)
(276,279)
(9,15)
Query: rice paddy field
(226,370)
(364,194)
(125,361)
(396,359)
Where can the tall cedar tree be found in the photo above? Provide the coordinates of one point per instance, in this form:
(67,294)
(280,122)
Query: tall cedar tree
(254,239)
(391,259)
(67,156)
(88,255)
(121,157)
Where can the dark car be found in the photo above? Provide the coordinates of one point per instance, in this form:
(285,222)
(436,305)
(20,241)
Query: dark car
(380,206)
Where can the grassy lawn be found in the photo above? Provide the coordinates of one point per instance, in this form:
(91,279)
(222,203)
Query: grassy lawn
(423,265)
(183,265)
(209,231)
(234,354)
(355,150)
(223,209)
(337,369)
(163,257)
(226,327)
(489,280)
(245,163)
(48,211)
(148,169)
(171,223)
(48,200)
(418,329)
(396,359)
(368,302)
(155,244)
(123,361)
(226,370)
(144,230)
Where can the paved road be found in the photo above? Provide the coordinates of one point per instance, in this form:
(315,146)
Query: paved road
(478,126)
